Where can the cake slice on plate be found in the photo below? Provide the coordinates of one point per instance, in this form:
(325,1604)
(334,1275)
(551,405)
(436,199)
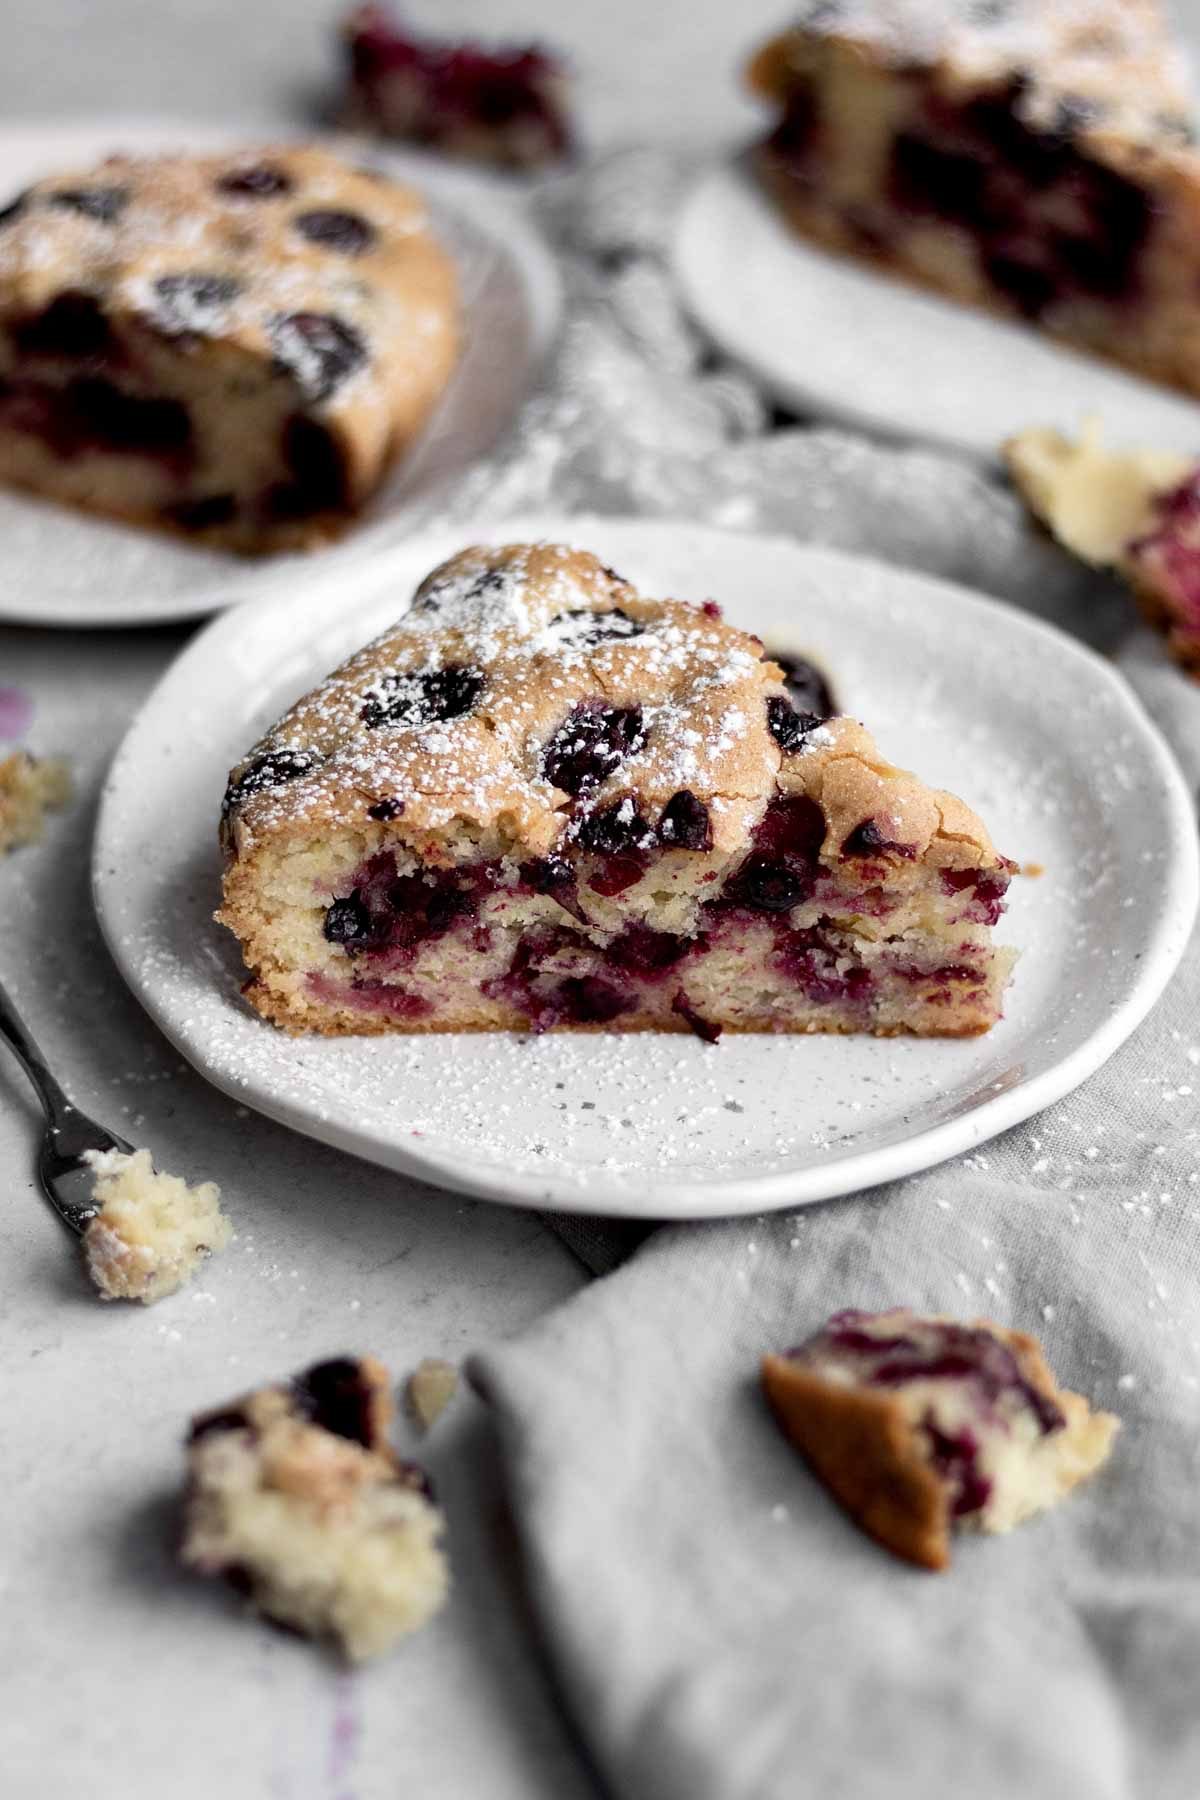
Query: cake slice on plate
(1030,156)
(233,347)
(542,800)
(1136,511)
(918,1424)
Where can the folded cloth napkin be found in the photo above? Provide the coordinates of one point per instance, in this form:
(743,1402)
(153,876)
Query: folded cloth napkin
(719,1628)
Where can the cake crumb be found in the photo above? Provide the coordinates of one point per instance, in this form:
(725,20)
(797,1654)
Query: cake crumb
(30,787)
(151,1231)
(1034,870)
(296,1496)
(430,1389)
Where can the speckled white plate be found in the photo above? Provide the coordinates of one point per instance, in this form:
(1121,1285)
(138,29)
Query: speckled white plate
(832,337)
(1037,732)
(61,567)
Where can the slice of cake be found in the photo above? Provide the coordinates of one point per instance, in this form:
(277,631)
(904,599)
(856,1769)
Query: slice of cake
(919,1425)
(504,105)
(1030,156)
(297,1498)
(543,800)
(231,346)
(1136,511)
(151,1231)
(30,787)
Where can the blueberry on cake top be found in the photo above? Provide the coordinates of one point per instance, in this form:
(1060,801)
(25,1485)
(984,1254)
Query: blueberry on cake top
(231,346)
(919,1425)
(296,1497)
(1135,511)
(544,800)
(503,105)
(1030,156)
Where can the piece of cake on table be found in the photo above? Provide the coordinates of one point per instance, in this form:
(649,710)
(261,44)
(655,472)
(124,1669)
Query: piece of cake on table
(1034,157)
(919,1425)
(1136,511)
(543,800)
(296,1496)
(231,346)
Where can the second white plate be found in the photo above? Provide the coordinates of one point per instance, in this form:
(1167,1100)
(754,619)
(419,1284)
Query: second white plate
(1034,730)
(832,337)
(61,567)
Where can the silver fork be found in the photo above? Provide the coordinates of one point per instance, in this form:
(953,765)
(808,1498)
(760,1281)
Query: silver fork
(66,1179)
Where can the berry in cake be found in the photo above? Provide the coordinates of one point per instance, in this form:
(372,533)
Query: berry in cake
(232,347)
(1135,511)
(1034,157)
(150,1232)
(504,105)
(30,787)
(544,801)
(429,1390)
(296,1497)
(919,1425)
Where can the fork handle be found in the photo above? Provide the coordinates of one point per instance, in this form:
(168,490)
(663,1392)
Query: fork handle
(57,1106)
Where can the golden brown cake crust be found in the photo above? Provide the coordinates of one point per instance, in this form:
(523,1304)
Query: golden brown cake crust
(272,262)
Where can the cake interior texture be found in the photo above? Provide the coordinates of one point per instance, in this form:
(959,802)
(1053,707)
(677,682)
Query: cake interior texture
(233,348)
(1033,158)
(544,801)
(921,1425)
(30,787)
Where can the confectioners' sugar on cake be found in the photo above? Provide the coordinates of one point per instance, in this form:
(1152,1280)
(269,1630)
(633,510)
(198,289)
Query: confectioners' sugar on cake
(232,346)
(1031,156)
(544,800)
(296,1496)
(150,1232)
(30,787)
(1136,511)
(919,1425)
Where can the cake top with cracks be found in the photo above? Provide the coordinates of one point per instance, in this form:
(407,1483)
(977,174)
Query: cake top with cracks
(533,697)
(285,251)
(1086,68)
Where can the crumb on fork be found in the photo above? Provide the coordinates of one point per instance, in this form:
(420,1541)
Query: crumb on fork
(151,1231)
(30,787)
(296,1497)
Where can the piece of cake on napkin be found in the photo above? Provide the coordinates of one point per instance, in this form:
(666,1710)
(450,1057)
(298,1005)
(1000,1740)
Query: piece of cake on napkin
(231,346)
(542,800)
(918,1424)
(1034,157)
(1136,511)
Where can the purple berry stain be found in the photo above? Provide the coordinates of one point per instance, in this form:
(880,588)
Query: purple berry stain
(16,712)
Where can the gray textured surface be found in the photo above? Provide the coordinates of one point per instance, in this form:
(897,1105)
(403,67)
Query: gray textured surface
(117,1676)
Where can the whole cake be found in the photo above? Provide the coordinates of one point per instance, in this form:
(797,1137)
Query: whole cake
(543,800)
(1031,156)
(233,346)
(918,1425)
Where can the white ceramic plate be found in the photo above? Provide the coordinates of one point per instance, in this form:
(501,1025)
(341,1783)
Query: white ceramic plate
(1037,732)
(831,337)
(60,567)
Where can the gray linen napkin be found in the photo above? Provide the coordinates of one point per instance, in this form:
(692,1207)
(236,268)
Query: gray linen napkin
(719,1628)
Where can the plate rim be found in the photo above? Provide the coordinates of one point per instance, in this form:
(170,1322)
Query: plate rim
(727,1196)
(733,169)
(490,204)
